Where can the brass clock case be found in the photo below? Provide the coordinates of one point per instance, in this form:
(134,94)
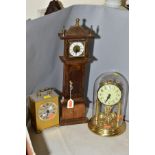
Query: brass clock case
(44,109)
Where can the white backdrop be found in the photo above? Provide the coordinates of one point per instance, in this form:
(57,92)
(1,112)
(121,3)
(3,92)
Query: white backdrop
(34,8)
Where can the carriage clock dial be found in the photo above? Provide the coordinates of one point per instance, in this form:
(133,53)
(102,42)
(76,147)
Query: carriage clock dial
(109,94)
(76,49)
(47,111)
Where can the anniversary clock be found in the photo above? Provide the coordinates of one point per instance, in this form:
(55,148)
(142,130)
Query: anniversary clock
(110,100)
(44,109)
(76,57)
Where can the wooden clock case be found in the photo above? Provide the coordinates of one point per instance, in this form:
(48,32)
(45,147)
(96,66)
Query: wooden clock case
(74,70)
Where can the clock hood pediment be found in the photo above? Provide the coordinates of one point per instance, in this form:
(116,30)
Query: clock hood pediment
(76,31)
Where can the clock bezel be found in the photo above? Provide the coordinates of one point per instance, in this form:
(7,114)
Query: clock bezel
(70,42)
(76,43)
(56,109)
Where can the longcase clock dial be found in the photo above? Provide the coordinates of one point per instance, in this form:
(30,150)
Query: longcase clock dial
(76,49)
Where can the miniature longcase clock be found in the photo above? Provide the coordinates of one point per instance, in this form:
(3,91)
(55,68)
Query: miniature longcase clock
(44,109)
(110,100)
(76,57)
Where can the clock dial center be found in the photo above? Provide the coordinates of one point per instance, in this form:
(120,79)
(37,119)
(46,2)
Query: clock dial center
(76,49)
(108,98)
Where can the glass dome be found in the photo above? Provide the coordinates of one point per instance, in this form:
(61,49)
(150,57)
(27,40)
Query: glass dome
(110,101)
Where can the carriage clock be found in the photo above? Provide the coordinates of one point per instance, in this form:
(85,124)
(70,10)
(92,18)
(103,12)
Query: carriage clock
(76,56)
(110,100)
(44,109)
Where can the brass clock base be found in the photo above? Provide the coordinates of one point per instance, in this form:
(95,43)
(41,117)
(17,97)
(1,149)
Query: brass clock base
(73,121)
(106,132)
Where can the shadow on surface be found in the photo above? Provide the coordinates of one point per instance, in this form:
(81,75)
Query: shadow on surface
(38,142)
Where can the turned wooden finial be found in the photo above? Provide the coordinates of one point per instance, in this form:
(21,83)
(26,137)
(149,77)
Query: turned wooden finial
(77,22)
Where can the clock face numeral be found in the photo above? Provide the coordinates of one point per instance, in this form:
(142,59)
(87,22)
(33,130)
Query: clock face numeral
(47,111)
(109,94)
(76,49)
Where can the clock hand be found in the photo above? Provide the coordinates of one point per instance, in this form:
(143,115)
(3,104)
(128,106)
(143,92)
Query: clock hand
(108,97)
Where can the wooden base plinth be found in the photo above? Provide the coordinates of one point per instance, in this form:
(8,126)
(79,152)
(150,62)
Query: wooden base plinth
(73,121)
